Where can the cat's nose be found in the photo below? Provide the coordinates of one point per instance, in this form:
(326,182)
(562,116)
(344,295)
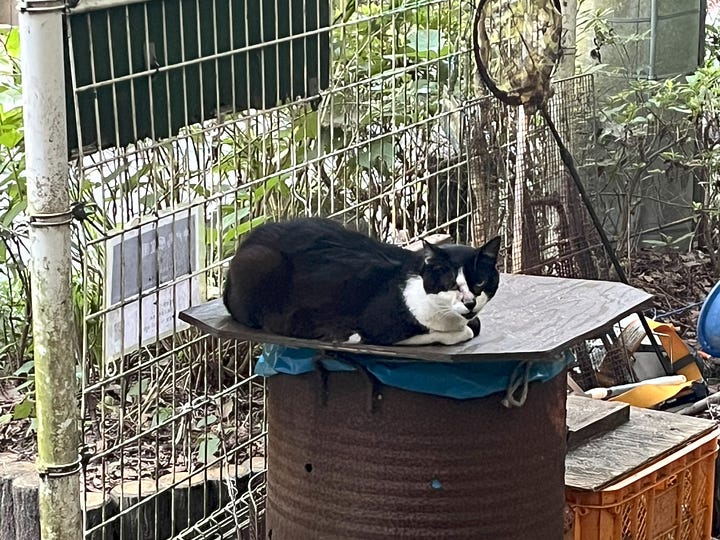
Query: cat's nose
(470,304)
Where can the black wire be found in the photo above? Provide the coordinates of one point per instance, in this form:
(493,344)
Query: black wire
(665,314)
(619,270)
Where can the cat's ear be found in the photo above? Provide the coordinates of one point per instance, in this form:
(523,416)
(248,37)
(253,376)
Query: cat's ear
(430,251)
(491,249)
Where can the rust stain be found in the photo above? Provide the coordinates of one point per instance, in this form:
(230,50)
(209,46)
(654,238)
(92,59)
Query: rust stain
(412,465)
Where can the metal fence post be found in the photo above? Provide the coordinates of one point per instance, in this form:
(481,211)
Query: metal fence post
(43,80)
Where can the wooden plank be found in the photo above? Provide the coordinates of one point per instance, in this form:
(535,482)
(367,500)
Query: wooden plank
(587,418)
(530,318)
(648,436)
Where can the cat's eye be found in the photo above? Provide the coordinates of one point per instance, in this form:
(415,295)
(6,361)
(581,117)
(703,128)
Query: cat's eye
(480,287)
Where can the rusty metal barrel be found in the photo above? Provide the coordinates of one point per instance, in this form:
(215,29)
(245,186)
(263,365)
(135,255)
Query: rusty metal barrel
(347,462)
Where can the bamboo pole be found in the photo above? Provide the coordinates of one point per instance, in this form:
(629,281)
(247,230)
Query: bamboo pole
(566,64)
(41,40)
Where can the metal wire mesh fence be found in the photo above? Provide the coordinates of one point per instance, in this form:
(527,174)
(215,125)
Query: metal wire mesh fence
(193,122)
(174,164)
(536,206)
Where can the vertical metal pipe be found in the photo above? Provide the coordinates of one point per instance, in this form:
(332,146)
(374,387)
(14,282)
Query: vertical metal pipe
(653,38)
(48,207)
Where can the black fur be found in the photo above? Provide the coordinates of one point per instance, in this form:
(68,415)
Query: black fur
(314,279)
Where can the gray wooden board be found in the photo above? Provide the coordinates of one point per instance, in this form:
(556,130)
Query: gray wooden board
(648,436)
(587,418)
(530,318)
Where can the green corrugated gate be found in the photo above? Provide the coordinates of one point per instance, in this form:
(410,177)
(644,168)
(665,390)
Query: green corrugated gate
(261,52)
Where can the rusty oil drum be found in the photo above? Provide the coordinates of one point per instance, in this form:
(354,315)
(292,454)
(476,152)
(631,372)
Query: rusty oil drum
(345,464)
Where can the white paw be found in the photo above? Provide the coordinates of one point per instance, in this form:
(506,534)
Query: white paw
(354,339)
(444,338)
(451,338)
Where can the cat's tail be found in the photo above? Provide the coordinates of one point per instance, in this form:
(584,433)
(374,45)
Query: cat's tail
(257,283)
(237,303)
(226,292)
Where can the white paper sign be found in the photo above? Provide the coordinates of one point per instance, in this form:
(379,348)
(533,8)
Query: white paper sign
(148,276)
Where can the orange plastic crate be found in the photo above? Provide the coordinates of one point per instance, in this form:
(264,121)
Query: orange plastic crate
(671,499)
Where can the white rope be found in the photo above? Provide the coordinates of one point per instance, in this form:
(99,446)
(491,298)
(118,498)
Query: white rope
(518,381)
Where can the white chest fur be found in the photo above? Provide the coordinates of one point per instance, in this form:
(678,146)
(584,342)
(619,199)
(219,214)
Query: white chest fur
(440,312)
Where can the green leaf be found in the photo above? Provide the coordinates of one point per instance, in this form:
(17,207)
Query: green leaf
(11,101)
(6,419)
(235,217)
(307,126)
(682,239)
(140,387)
(24,409)
(382,149)
(266,187)
(248,225)
(426,43)
(161,416)
(209,445)
(12,43)
(14,211)
(235,232)
(10,138)
(203,422)
(211,236)
(26,368)
(26,384)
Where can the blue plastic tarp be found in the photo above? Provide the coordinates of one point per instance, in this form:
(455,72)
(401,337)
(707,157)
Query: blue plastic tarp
(465,380)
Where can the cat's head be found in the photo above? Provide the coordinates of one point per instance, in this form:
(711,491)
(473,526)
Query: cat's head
(463,277)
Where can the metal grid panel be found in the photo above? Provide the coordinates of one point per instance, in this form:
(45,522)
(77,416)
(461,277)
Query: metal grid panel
(379,150)
(551,233)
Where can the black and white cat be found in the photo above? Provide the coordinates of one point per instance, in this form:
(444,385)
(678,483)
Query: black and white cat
(312,278)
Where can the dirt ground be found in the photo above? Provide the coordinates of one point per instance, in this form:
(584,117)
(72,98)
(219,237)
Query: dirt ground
(680,283)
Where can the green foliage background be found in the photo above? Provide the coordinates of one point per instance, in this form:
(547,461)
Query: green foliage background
(396,65)
(652,132)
